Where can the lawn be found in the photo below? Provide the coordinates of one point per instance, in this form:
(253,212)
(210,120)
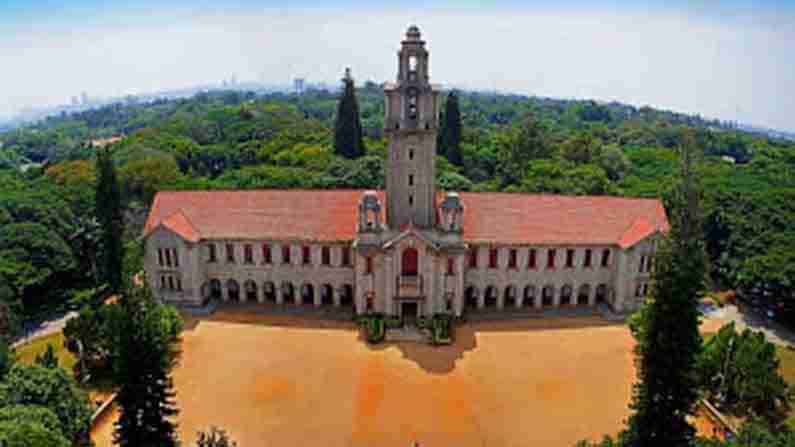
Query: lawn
(787,368)
(27,353)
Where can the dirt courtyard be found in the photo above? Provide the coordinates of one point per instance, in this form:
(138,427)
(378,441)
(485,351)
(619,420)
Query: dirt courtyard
(278,381)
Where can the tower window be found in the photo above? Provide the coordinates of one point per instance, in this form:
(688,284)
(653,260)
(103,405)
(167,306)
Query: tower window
(412,63)
(473,258)
(411,200)
(411,179)
(411,154)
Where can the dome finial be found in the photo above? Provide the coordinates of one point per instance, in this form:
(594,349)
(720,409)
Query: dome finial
(413,32)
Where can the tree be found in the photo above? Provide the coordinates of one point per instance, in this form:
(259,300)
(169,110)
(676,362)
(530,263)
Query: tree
(615,163)
(30,426)
(48,358)
(348,140)
(517,148)
(450,136)
(147,353)
(581,148)
(109,214)
(740,373)
(30,433)
(50,388)
(667,386)
(214,437)
(7,358)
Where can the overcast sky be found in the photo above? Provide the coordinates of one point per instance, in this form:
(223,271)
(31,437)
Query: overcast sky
(731,60)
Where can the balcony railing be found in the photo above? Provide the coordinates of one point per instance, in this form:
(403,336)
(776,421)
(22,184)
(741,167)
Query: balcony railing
(409,285)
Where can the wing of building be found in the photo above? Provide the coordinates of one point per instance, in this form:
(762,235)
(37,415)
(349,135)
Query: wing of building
(408,250)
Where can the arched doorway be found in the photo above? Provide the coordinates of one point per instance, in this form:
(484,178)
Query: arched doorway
(491,296)
(288,293)
(269,291)
(601,293)
(409,261)
(233,290)
(346,295)
(471,295)
(529,295)
(565,295)
(326,295)
(307,294)
(251,290)
(583,294)
(548,296)
(510,296)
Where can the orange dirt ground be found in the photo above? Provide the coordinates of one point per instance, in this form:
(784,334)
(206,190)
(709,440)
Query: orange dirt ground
(273,380)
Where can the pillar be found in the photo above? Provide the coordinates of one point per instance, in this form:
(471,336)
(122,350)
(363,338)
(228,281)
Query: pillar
(318,297)
(279,291)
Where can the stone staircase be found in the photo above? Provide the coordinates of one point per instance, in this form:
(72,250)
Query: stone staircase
(408,333)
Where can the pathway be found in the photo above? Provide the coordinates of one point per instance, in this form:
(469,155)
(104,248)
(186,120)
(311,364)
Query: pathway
(747,318)
(45,328)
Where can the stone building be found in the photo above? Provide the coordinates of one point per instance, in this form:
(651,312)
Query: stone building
(409,250)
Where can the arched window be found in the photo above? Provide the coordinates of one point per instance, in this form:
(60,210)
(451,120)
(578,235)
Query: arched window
(409,261)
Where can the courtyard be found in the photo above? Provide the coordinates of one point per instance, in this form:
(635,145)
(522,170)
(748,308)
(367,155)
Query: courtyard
(287,380)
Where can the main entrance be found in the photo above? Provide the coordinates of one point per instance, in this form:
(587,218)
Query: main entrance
(409,312)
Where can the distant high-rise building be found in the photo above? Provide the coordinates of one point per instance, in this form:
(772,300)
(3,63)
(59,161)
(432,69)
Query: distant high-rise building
(75,101)
(298,85)
(84,98)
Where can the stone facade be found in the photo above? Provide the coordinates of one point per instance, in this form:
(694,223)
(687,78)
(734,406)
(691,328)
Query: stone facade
(411,251)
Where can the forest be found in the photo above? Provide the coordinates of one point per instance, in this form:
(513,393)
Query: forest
(49,239)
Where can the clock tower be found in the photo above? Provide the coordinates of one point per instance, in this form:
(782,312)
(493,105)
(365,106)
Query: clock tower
(411,124)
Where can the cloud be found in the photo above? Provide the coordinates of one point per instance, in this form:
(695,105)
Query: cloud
(737,67)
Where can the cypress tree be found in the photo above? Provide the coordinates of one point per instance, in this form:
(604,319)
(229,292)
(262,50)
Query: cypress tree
(348,140)
(450,136)
(669,341)
(109,215)
(146,354)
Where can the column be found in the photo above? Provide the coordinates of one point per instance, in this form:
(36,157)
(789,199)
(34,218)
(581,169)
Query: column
(279,291)
(517,300)
(225,291)
(556,297)
(501,298)
(458,299)
(389,282)
(336,296)
(317,298)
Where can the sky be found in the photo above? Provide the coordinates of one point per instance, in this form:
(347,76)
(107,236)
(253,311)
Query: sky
(732,60)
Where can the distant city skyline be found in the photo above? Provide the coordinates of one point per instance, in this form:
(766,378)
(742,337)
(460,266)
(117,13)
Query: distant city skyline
(733,61)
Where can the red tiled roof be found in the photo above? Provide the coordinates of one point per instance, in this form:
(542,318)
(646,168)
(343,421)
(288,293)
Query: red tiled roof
(180,224)
(330,216)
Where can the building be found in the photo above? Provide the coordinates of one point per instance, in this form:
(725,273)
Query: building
(409,250)
(298,85)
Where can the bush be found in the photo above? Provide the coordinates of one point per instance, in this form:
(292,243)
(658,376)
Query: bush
(442,330)
(374,327)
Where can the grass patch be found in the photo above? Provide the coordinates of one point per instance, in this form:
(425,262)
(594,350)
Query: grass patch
(787,368)
(27,353)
